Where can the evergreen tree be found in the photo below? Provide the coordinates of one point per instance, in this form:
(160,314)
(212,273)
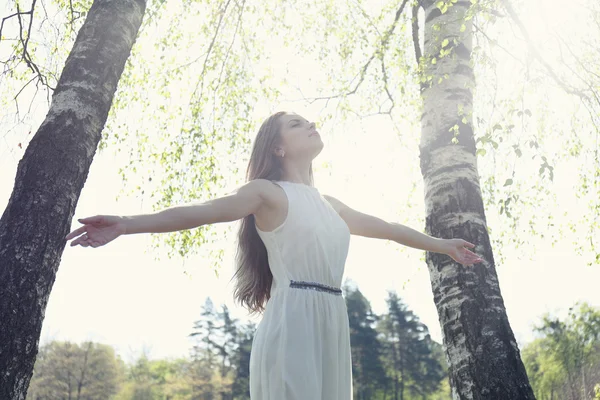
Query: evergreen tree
(367,368)
(240,388)
(412,357)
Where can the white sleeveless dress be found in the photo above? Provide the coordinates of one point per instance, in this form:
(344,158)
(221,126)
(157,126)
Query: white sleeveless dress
(301,347)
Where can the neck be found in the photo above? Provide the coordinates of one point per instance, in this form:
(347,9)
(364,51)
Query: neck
(297,172)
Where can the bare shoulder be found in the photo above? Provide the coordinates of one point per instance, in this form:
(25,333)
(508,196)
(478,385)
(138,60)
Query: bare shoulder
(274,205)
(271,193)
(337,205)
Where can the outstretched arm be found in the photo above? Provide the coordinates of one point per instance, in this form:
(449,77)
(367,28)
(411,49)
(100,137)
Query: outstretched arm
(246,200)
(101,229)
(369,226)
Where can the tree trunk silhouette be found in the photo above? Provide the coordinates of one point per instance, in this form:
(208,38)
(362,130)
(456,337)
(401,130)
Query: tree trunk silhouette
(484,360)
(49,180)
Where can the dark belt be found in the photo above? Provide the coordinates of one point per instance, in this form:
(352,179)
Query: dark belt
(315,286)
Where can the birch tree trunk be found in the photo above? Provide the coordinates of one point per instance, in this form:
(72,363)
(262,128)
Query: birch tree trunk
(49,180)
(483,357)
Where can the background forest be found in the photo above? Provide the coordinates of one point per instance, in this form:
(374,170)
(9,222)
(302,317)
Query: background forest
(393,357)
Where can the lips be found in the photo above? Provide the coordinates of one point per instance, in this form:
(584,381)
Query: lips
(314,133)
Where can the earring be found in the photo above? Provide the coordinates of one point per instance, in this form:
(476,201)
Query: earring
(282,154)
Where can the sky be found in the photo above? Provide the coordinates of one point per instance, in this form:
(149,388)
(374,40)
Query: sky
(121,295)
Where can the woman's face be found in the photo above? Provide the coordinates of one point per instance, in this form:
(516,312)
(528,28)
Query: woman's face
(299,138)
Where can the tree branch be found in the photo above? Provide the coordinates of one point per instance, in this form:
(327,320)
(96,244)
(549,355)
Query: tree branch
(210,47)
(536,53)
(73,18)
(18,13)
(235,33)
(581,64)
(25,42)
(495,43)
(415,32)
(385,86)
(363,72)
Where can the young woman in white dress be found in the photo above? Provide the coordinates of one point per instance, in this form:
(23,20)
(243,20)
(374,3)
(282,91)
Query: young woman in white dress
(292,247)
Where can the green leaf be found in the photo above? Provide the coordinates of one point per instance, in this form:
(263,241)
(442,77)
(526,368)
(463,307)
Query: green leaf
(517,150)
(508,182)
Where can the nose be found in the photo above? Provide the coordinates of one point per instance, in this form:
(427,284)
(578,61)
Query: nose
(311,125)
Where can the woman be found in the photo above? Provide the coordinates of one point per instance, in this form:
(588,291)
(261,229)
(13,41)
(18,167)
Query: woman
(292,249)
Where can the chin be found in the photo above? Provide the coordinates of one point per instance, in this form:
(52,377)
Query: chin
(318,150)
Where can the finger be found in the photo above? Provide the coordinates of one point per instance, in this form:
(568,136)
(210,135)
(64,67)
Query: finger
(468,244)
(85,244)
(79,241)
(76,232)
(470,253)
(96,219)
(468,259)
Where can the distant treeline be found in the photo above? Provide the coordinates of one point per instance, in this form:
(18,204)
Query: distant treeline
(393,357)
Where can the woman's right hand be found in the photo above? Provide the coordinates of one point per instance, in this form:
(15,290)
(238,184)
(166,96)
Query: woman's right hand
(97,231)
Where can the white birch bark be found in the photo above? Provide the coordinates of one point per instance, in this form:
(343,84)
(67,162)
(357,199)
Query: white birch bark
(49,180)
(483,357)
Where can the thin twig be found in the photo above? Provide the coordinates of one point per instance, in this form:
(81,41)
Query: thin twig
(24,42)
(235,33)
(385,85)
(363,71)
(536,53)
(23,88)
(210,47)
(581,64)
(367,17)
(18,13)
(495,43)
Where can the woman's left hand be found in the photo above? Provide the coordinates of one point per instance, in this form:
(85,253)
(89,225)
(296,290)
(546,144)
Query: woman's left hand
(457,249)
